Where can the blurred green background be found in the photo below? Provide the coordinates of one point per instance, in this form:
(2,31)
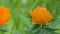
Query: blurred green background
(21,19)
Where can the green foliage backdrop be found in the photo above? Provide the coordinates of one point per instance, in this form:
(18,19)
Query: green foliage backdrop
(20,22)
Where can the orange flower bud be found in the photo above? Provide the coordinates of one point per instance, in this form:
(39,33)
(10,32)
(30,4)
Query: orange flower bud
(41,15)
(4,15)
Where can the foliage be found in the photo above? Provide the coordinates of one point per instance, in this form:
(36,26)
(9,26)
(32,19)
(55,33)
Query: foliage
(20,22)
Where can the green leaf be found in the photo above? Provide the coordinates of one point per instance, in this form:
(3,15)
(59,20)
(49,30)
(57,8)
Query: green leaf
(45,31)
(54,24)
(39,30)
(25,20)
